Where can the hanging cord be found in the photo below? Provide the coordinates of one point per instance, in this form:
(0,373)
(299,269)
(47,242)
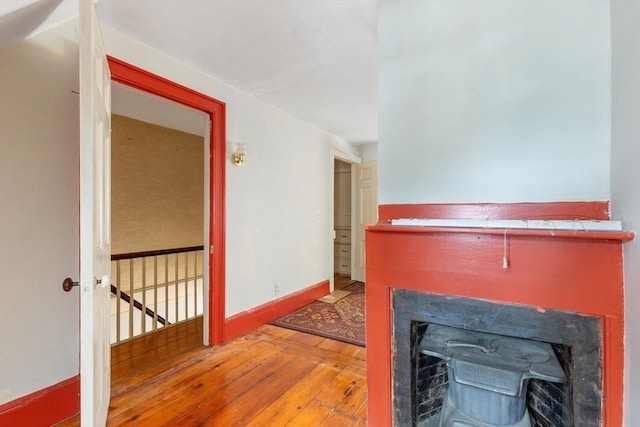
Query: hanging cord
(505,261)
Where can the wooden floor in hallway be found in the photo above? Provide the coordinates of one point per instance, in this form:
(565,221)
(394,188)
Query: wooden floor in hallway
(271,377)
(341,281)
(143,353)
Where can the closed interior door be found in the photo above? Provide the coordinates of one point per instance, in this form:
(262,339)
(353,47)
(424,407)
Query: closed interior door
(366,211)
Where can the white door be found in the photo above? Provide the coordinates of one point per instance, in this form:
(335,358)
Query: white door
(366,211)
(95,220)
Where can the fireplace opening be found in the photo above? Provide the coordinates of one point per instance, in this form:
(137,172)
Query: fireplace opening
(420,381)
(548,403)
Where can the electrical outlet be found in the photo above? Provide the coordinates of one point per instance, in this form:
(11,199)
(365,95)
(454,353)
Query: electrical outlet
(277,289)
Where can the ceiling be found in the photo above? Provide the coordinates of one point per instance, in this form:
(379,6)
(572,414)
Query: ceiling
(316,59)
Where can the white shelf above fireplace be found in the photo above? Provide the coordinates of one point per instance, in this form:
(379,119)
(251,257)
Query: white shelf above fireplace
(530,224)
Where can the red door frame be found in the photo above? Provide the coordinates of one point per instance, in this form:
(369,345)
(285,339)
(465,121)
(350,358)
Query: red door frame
(135,77)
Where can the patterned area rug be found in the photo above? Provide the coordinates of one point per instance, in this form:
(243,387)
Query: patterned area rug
(342,320)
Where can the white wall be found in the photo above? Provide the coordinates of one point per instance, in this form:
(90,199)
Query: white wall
(625,176)
(494,101)
(279,220)
(368,151)
(129,102)
(39,221)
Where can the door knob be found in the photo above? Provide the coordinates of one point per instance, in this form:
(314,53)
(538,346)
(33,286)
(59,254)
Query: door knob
(103,281)
(68,284)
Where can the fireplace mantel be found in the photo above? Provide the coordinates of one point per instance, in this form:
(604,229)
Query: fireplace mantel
(577,271)
(622,236)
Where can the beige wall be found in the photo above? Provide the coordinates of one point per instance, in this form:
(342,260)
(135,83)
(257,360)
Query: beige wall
(157,187)
(39,216)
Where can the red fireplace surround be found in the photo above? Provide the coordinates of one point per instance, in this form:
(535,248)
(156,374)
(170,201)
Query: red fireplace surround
(578,271)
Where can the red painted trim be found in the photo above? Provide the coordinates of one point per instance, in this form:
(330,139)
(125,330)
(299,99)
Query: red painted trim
(242,323)
(378,326)
(551,210)
(623,236)
(140,79)
(567,271)
(43,407)
(133,76)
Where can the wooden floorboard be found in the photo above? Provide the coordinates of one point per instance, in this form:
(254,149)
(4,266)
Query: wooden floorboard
(341,281)
(141,357)
(270,377)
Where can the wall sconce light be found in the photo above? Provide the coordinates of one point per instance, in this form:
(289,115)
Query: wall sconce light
(237,158)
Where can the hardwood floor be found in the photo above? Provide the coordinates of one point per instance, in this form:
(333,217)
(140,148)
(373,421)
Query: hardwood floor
(271,377)
(144,353)
(341,281)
